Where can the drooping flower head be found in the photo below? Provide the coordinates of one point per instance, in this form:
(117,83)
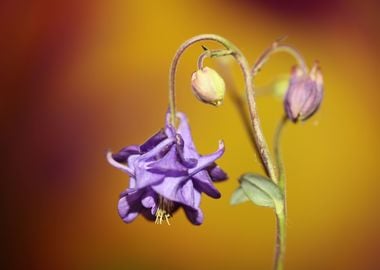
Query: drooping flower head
(166,173)
(304,94)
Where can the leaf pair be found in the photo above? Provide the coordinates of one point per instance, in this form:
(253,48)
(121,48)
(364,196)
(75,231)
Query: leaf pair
(260,190)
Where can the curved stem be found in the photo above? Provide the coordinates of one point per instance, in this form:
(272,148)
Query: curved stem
(239,102)
(213,53)
(202,58)
(280,217)
(278,48)
(243,63)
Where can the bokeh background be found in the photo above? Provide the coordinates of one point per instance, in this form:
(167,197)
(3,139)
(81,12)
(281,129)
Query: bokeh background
(81,77)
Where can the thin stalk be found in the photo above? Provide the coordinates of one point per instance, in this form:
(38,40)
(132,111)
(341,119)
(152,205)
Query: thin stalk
(211,53)
(278,153)
(243,63)
(275,48)
(239,102)
(281,216)
(280,241)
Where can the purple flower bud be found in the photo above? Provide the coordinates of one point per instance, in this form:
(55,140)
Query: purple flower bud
(208,86)
(304,94)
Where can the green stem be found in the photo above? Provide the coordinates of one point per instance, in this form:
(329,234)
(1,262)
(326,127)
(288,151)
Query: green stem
(281,216)
(280,241)
(211,53)
(243,63)
(278,153)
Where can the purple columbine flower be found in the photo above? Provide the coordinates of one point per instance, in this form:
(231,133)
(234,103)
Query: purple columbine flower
(166,173)
(304,94)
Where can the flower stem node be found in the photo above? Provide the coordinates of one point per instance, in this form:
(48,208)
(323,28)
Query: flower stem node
(208,86)
(304,94)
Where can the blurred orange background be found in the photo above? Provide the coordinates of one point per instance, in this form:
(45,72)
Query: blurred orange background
(81,77)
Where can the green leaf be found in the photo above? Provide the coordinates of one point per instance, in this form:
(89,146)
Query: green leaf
(262,191)
(238,197)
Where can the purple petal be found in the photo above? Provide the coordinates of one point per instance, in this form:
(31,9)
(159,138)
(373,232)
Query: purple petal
(168,165)
(294,96)
(158,151)
(169,188)
(124,211)
(207,160)
(315,82)
(194,214)
(141,165)
(132,183)
(149,201)
(310,103)
(170,131)
(297,95)
(123,155)
(118,165)
(180,190)
(203,183)
(187,193)
(146,178)
(129,205)
(131,161)
(188,162)
(177,189)
(216,173)
(184,130)
(153,141)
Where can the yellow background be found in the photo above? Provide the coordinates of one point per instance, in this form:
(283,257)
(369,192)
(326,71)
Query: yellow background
(82,77)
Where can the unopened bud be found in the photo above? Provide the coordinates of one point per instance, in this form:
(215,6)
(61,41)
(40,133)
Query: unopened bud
(208,86)
(304,94)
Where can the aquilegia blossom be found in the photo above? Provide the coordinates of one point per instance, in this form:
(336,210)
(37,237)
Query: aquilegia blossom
(167,172)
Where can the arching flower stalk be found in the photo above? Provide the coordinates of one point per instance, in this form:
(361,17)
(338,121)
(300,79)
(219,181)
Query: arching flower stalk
(167,173)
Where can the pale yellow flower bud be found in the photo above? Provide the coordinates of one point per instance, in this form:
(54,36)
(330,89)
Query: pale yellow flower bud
(208,86)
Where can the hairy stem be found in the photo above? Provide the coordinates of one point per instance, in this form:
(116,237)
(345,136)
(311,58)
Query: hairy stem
(275,48)
(243,63)
(239,102)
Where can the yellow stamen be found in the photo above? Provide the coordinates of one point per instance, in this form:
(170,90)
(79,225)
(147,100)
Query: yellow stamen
(161,214)
(164,210)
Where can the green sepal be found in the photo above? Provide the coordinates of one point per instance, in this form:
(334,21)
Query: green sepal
(262,191)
